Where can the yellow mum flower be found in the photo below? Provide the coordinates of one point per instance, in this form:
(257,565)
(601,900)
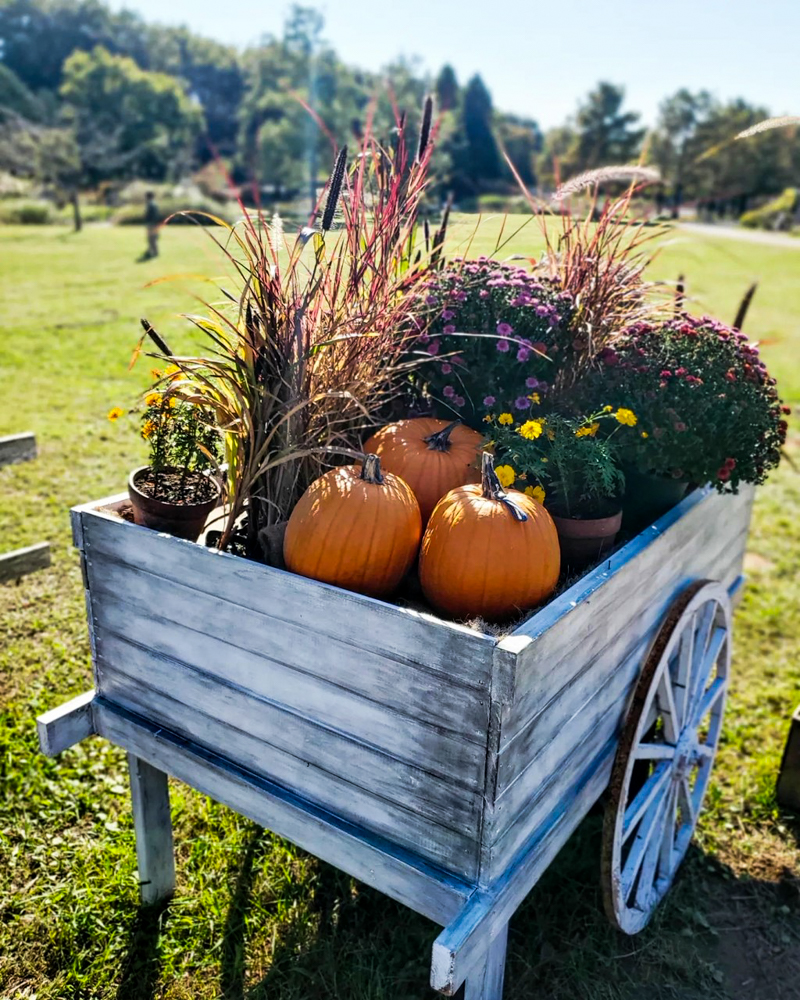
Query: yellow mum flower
(148,428)
(535,398)
(488,418)
(152,399)
(173,402)
(551,435)
(505,418)
(607,409)
(536,492)
(531,429)
(588,431)
(627,417)
(645,434)
(506,474)
(173,372)
(155,373)
(115,414)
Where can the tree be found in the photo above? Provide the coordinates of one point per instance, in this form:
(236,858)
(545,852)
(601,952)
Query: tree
(522,140)
(605,133)
(675,141)
(447,92)
(59,163)
(482,159)
(126,121)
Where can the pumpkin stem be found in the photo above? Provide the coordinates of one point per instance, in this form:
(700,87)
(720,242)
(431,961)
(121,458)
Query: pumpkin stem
(440,441)
(371,469)
(492,490)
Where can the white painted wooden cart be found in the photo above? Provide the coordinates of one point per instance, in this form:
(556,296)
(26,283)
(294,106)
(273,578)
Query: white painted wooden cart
(442,766)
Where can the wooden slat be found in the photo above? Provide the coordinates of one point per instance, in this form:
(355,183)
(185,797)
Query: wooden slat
(460,654)
(418,694)
(401,876)
(66,725)
(20,562)
(580,623)
(251,733)
(153,825)
(423,745)
(17,448)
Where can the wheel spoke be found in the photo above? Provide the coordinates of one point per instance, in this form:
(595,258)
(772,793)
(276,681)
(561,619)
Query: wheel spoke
(688,810)
(639,847)
(652,852)
(666,702)
(709,699)
(709,661)
(641,803)
(684,679)
(654,751)
(706,616)
(668,840)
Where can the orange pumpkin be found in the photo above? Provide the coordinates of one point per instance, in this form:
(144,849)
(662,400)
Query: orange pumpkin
(356,528)
(431,455)
(487,553)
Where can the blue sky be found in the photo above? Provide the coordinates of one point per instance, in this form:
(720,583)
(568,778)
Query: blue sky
(539,59)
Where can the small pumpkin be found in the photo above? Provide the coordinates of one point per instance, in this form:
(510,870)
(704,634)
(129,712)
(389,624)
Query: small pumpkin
(432,456)
(356,528)
(488,553)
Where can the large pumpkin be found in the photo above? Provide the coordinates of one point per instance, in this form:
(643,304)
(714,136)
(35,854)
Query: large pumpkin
(488,553)
(356,528)
(431,455)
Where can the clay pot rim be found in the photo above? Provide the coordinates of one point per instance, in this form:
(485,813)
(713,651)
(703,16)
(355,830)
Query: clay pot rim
(132,487)
(588,527)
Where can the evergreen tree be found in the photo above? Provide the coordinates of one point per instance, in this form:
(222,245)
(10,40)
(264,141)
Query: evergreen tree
(447,92)
(482,159)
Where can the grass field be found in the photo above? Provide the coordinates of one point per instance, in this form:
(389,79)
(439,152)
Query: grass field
(253,916)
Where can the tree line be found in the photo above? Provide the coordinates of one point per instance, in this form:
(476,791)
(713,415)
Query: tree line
(89,97)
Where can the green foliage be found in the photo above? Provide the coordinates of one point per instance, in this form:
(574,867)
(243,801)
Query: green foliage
(127,122)
(178,211)
(708,411)
(575,460)
(779,211)
(482,160)
(16,97)
(180,434)
(26,212)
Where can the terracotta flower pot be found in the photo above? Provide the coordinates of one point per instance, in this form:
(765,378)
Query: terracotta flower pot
(585,540)
(648,496)
(184,520)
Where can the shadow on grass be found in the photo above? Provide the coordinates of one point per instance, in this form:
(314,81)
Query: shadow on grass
(717,937)
(141,969)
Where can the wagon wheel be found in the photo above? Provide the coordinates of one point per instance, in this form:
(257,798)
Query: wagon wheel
(665,755)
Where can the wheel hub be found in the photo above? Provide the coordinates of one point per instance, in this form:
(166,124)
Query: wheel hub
(686,754)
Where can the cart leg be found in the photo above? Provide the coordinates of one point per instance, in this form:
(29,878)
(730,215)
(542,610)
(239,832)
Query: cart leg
(153,826)
(485,982)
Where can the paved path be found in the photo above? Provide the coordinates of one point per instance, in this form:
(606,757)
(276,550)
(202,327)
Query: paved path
(743,235)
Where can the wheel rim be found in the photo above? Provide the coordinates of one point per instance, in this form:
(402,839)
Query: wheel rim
(666,754)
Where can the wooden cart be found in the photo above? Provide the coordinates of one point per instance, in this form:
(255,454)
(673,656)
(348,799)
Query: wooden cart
(442,766)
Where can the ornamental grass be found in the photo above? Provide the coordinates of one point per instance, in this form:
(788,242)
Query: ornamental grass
(311,348)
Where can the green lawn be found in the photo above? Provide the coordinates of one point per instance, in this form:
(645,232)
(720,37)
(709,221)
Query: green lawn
(253,916)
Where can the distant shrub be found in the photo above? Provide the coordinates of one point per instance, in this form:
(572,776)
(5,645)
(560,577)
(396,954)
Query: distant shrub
(15,212)
(775,214)
(133,214)
(13,187)
(502,203)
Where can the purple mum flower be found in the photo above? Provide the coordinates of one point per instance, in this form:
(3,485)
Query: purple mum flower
(532,382)
(458,400)
(433,347)
(521,403)
(448,391)
(503,346)
(523,354)
(446,369)
(505,329)
(489,400)
(431,300)
(449,328)
(483,294)
(447,314)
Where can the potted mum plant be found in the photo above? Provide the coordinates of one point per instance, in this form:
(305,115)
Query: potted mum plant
(494,334)
(708,410)
(174,492)
(571,465)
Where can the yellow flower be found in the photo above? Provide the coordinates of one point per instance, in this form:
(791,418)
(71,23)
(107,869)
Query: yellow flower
(588,431)
(551,435)
(152,399)
(488,418)
(148,428)
(535,398)
(506,475)
(531,429)
(173,402)
(505,418)
(607,409)
(155,373)
(536,492)
(645,434)
(543,459)
(627,417)
(115,414)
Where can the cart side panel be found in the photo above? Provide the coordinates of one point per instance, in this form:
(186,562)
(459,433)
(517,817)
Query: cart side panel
(307,685)
(578,661)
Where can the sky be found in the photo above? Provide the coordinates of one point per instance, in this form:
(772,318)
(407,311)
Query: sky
(539,59)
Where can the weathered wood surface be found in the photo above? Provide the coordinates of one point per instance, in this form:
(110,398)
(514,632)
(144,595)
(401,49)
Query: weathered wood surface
(63,727)
(391,735)
(400,875)
(17,448)
(485,982)
(20,562)
(153,825)
(576,667)
(787,790)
